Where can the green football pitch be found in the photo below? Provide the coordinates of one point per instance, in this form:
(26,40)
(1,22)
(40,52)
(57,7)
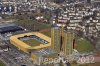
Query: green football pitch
(32,42)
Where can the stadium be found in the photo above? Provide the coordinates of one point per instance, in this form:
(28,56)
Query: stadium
(29,42)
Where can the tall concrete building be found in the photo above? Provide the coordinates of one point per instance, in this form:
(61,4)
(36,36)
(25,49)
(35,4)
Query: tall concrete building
(56,39)
(68,42)
(62,40)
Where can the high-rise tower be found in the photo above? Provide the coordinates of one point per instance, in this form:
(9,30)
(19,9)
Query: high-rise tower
(68,42)
(62,39)
(56,39)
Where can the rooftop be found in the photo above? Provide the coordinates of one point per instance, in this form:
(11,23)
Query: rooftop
(10,29)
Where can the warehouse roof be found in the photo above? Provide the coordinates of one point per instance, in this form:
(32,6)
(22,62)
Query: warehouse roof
(10,29)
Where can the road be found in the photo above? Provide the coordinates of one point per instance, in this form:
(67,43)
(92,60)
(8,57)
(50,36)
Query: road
(15,57)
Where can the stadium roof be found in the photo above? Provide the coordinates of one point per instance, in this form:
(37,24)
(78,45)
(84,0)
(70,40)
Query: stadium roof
(10,29)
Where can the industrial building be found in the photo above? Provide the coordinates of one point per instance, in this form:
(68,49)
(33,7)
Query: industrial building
(10,29)
(7,31)
(22,41)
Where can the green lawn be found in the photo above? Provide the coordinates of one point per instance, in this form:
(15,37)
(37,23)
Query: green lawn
(33,25)
(32,42)
(83,45)
(48,33)
(1,63)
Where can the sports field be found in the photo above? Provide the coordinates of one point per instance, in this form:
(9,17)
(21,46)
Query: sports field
(1,63)
(32,42)
(83,45)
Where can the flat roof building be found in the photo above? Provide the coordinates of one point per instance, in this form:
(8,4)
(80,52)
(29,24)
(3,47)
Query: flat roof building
(10,29)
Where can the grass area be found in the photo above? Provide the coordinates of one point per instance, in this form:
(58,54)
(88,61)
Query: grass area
(32,42)
(33,25)
(47,32)
(1,63)
(83,45)
(42,25)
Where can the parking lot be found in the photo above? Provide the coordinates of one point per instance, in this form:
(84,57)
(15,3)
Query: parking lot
(13,56)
